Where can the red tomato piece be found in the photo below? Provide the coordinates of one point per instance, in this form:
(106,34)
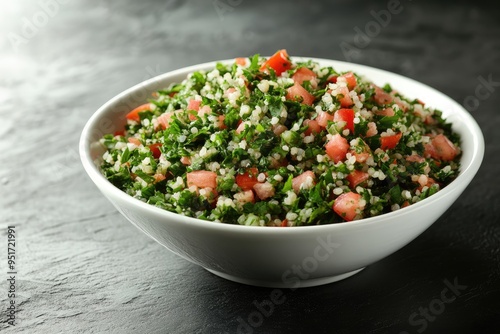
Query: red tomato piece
(241,61)
(241,127)
(264,190)
(299,93)
(246,196)
(119,133)
(347,116)
(305,74)
(313,127)
(381,97)
(165,119)
(323,118)
(390,142)
(337,148)
(155,149)
(134,114)
(202,179)
(347,205)
(415,158)
(332,78)
(205,110)
(194,105)
(278,129)
(441,148)
(350,79)
(305,180)
(186,161)
(221,124)
(159,178)
(385,112)
(356,177)
(134,141)
(429,181)
(279,62)
(345,100)
(247,180)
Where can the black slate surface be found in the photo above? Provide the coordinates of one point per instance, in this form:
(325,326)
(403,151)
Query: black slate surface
(82,268)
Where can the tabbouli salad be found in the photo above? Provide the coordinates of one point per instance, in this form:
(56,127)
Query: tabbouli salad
(272,142)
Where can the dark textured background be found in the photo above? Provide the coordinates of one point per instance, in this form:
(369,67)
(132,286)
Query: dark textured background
(82,268)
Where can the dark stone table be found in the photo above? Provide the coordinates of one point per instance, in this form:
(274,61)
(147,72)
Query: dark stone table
(82,268)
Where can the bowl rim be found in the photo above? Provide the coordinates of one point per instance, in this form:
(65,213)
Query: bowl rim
(467,171)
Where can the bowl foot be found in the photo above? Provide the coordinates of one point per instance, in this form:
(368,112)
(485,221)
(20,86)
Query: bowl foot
(280,284)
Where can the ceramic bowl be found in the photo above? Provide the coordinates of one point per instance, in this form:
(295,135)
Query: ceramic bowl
(275,256)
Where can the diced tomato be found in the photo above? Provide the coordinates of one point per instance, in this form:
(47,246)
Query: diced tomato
(362,155)
(186,161)
(134,141)
(221,123)
(228,91)
(278,129)
(241,61)
(415,158)
(350,79)
(202,179)
(372,129)
(264,190)
(284,223)
(119,133)
(390,142)
(246,196)
(155,149)
(313,127)
(401,104)
(165,119)
(356,177)
(241,127)
(304,74)
(347,116)
(279,62)
(299,93)
(305,180)
(385,112)
(247,180)
(134,114)
(441,148)
(332,78)
(381,97)
(425,182)
(345,100)
(159,178)
(347,204)
(194,105)
(337,148)
(205,110)
(323,118)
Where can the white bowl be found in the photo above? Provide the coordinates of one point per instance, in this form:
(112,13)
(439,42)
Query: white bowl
(275,256)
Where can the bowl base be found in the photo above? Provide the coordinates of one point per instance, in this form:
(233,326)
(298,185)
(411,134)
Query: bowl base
(280,284)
